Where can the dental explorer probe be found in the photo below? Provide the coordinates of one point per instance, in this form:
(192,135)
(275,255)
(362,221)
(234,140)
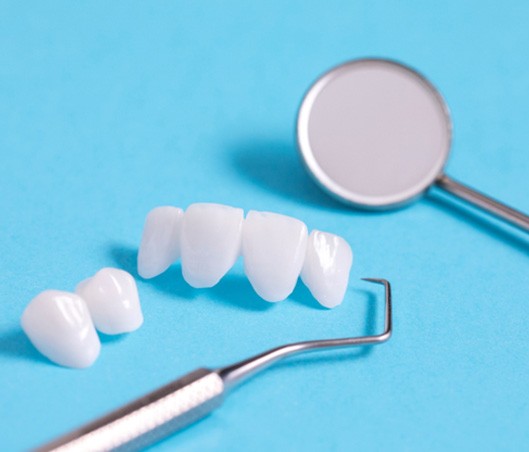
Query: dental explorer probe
(188,399)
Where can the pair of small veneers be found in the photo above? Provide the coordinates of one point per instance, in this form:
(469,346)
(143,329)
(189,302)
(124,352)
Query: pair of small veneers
(62,325)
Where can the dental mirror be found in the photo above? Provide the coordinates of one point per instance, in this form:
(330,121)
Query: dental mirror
(376,134)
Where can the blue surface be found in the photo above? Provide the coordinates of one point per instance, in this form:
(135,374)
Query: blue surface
(112,108)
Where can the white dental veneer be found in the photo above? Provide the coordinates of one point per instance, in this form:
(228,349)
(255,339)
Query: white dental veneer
(273,247)
(326,268)
(60,327)
(112,299)
(160,244)
(210,242)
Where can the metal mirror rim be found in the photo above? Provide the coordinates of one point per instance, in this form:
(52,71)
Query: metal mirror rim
(317,173)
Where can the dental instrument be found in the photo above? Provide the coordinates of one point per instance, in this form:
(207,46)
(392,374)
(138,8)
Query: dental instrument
(376,134)
(190,398)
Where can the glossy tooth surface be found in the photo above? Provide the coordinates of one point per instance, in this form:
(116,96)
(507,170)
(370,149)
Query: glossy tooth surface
(59,326)
(160,244)
(112,299)
(211,242)
(326,268)
(273,247)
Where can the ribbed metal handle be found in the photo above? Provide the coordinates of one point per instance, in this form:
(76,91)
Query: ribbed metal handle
(150,418)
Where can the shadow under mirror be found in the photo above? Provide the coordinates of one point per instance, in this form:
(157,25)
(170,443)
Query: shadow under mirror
(276,166)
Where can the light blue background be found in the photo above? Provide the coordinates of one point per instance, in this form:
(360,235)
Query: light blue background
(109,109)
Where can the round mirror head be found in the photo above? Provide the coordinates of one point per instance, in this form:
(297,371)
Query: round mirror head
(374,133)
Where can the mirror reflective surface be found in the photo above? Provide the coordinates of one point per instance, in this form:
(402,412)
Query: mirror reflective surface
(374,133)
